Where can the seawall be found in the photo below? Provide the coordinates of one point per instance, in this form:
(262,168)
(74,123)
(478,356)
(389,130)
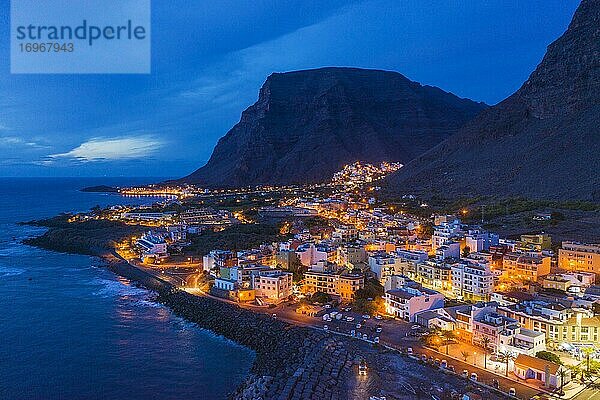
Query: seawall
(291,362)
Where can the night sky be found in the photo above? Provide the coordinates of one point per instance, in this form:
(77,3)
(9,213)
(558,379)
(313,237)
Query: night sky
(209,60)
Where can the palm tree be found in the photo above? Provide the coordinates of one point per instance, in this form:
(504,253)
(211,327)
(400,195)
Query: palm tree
(587,351)
(448,337)
(485,343)
(506,356)
(576,370)
(465,354)
(562,373)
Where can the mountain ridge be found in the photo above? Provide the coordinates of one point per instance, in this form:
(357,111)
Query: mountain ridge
(307,124)
(540,142)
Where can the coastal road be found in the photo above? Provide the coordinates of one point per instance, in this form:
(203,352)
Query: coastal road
(588,394)
(395,334)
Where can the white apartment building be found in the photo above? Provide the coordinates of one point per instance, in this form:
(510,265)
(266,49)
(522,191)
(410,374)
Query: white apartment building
(152,244)
(445,232)
(311,254)
(472,281)
(274,285)
(412,255)
(450,249)
(407,301)
(480,240)
(383,265)
(344,233)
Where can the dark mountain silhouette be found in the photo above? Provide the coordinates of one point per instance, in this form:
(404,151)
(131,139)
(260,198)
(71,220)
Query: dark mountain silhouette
(541,142)
(307,124)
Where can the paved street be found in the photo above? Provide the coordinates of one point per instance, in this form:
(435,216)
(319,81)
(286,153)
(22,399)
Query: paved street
(588,394)
(394,333)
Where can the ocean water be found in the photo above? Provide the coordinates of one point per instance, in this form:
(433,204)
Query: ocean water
(70,329)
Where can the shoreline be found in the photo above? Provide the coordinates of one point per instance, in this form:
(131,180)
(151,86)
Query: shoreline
(282,350)
(292,362)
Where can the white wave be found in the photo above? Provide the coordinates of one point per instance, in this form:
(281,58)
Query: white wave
(112,288)
(183,324)
(147,303)
(10,271)
(8,249)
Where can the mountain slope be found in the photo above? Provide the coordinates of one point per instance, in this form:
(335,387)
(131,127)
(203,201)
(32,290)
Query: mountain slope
(541,142)
(307,124)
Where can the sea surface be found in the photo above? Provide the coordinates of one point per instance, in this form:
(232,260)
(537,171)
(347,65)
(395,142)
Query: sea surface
(70,329)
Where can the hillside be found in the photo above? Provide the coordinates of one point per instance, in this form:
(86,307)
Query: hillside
(541,142)
(307,124)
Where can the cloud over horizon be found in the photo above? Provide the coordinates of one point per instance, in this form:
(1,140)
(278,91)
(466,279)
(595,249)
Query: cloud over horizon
(113,149)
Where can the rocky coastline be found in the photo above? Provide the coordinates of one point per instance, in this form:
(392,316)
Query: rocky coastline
(296,363)
(292,362)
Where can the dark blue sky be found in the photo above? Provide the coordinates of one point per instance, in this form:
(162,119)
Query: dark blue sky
(210,58)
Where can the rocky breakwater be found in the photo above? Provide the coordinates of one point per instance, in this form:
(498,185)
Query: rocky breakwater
(294,363)
(291,362)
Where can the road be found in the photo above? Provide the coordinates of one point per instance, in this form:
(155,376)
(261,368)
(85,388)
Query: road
(588,394)
(395,334)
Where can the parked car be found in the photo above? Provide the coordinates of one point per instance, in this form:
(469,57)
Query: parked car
(376,339)
(512,392)
(366,316)
(379,329)
(424,357)
(274,316)
(352,332)
(474,377)
(358,326)
(364,336)
(327,305)
(409,351)
(339,316)
(437,362)
(325,328)
(378,316)
(465,373)
(325,316)
(349,318)
(495,383)
(444,364)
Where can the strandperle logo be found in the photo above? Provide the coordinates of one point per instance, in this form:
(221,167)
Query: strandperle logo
(85,32)
(74,36)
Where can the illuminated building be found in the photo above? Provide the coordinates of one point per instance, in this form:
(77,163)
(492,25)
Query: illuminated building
(579,257)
